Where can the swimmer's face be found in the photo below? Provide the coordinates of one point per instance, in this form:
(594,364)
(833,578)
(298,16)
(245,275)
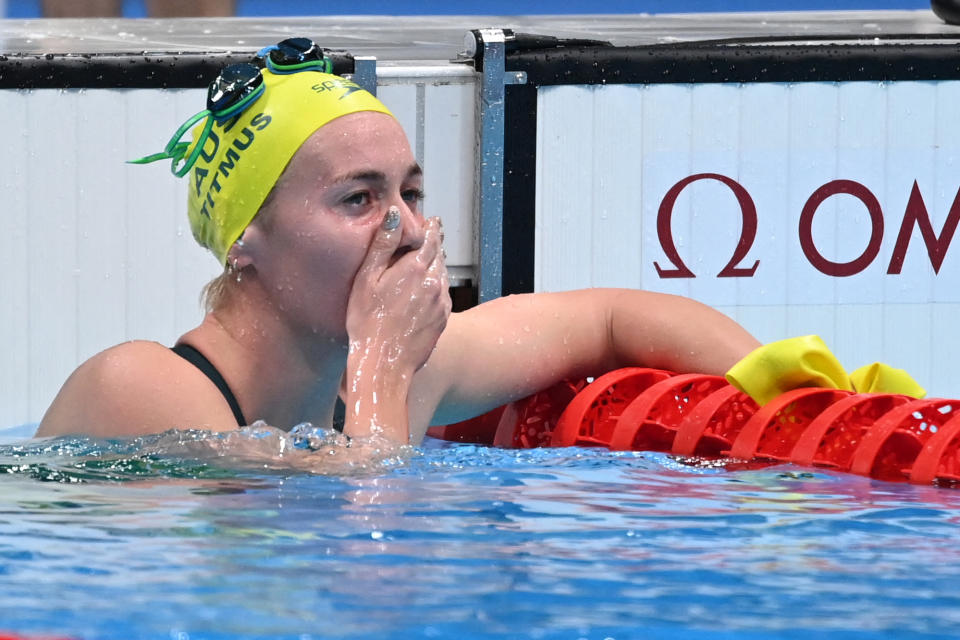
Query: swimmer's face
(324,211)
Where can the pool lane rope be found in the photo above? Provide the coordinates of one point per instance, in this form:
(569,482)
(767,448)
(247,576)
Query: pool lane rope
(889,436)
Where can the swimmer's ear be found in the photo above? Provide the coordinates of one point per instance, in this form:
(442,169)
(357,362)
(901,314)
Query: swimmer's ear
(243,253)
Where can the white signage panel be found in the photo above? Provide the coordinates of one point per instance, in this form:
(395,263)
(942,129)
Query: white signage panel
(797,208)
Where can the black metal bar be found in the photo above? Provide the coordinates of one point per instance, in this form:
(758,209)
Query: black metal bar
(731,62)
(131,71)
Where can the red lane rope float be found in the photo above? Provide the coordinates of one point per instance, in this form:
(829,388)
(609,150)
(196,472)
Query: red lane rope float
(650,421)
(714,423)
(774,429)
(832,437)
(531,422)
(523,424)
(892,444)
(591,417)
(885,436)
(940,457)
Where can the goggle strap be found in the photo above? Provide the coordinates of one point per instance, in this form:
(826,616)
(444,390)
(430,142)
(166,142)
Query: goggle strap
(182,147)
(263,53)
(175,149)
(324,65)
(234,109)
(186,126)
(163,155)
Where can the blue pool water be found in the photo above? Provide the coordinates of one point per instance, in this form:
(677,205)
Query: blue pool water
(255,536)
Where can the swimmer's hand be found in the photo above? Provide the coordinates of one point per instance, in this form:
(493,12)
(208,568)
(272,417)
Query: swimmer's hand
(398,308)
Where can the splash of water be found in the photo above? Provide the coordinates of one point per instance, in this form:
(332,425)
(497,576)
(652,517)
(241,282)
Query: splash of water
(199,454)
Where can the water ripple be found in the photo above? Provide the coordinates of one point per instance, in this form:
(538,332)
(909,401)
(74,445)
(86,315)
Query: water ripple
(269,534)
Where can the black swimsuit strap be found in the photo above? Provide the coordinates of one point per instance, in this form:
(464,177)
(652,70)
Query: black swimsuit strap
(339,415)
(200,361)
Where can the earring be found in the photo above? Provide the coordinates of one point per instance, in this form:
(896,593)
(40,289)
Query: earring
(237,269)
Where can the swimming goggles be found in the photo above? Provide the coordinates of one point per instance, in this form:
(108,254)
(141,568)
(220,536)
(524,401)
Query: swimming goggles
(236,88)
(295,54)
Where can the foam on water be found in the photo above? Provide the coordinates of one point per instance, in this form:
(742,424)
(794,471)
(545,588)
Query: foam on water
(201,454)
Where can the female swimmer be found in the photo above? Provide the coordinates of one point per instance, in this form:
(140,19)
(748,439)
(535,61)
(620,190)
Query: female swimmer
(335,285)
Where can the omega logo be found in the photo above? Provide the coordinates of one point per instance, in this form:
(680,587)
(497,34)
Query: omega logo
(915,215)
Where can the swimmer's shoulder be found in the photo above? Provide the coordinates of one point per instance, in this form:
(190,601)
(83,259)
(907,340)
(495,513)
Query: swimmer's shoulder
(132,389)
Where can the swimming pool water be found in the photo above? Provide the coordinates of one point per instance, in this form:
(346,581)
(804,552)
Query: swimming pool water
(190,537)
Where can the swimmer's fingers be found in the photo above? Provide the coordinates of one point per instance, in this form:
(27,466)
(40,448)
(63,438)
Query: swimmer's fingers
(427,254)
(385,243)
(442,291)
(437,270)
(418,262)
(437,281)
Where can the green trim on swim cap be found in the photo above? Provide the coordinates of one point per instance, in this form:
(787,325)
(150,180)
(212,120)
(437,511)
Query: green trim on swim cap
(243,158)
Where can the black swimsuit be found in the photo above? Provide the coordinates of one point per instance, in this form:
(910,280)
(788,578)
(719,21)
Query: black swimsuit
(200,361)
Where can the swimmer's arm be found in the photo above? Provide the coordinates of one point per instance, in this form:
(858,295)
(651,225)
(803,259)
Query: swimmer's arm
(514,346)
(135,389)
(376,395)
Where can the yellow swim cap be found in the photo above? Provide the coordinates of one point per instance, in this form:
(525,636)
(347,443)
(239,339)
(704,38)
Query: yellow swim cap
(243,157)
